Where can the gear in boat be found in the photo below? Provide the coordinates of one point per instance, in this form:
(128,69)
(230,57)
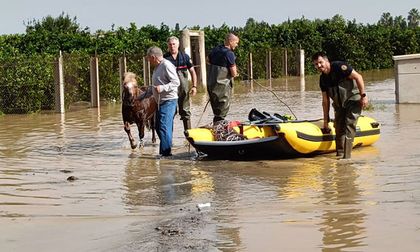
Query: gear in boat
(266,136)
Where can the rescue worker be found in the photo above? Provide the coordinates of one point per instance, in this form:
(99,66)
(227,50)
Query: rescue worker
(183,65)
(345,87)
(222,70)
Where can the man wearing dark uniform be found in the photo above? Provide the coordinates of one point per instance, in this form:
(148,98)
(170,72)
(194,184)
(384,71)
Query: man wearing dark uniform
(345,87)
(222,70)
(183,65)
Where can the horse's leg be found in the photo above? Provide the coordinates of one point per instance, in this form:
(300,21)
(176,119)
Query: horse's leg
(152,128)
(130,137)
(140,127)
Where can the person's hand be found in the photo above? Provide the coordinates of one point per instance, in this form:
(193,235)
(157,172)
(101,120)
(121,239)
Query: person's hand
(158,88)
(326,130)
(193,90)
(364,102)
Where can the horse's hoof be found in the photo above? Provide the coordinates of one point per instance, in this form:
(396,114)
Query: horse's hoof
(141,145)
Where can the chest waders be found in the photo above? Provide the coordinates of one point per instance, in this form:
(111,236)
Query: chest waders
(184,99)
(346,103)
(219,88)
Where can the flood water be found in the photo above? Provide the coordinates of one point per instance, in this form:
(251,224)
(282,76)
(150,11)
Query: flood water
(127,200)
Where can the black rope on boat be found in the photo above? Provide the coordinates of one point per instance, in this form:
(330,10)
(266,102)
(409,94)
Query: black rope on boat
(268,89)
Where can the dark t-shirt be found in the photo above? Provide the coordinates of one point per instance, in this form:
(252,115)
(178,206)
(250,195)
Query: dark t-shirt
(182,61)
(339,70)
(222,56)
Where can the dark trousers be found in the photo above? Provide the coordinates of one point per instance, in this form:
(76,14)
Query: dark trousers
(219,94)
(345,123)
(184,97)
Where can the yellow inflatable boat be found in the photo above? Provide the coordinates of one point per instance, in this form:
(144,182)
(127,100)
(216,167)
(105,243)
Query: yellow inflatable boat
(277,139)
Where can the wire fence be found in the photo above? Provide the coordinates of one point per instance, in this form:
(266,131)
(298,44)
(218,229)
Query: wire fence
(27,84)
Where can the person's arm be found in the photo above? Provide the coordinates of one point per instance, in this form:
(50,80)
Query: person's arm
(194,81)
(326,109)
(173,80)
(361,86)
(231,63)
(233,71)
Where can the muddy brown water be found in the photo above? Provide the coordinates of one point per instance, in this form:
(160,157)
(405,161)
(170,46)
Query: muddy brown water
(127,200)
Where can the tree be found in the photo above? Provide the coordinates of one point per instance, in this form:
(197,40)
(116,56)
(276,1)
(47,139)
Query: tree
(51,35)
(413,18)
(399,22)
(61,24)
(386,19)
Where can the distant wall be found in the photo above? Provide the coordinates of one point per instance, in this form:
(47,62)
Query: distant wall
(407,78)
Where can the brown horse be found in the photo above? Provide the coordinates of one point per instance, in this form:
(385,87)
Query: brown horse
(139,107)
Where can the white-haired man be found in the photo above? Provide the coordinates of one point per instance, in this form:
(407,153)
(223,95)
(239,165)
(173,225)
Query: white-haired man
(183,65)
(165,83)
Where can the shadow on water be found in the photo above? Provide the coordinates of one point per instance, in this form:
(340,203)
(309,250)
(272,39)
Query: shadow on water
(129,200)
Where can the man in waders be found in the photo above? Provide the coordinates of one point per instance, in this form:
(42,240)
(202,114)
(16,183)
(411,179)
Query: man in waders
(220,76)
(183,65)
(346,88)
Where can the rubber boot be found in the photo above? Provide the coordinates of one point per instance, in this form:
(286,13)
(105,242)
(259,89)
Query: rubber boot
(187,124)
(339,143)
(348,146)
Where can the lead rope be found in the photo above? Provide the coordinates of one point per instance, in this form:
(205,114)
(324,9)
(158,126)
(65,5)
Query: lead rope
(201,116)
(158,104)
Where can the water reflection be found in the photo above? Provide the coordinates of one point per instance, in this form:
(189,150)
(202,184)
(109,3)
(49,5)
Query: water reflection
(303,180)
(153,182)
(289,83)
(408,114)
(140,182)
(255,206)
(302,84)
(343,226)
(202,182)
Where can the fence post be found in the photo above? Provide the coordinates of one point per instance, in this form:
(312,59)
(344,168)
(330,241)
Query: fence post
(268,65)
(250,72)
(301,62)
(285,70)
(59,84)
(123,70)
(146,72)
(202,50)
(94,82)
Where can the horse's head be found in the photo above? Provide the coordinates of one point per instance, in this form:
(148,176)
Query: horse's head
(130,93)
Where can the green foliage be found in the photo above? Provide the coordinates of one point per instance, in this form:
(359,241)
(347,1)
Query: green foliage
(76,77)
(26,85)
(413,18)
(135,65)
(26,60)
(109,77)
(51,35)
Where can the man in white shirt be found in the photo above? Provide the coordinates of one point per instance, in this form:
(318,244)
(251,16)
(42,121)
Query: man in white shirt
(165,83)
